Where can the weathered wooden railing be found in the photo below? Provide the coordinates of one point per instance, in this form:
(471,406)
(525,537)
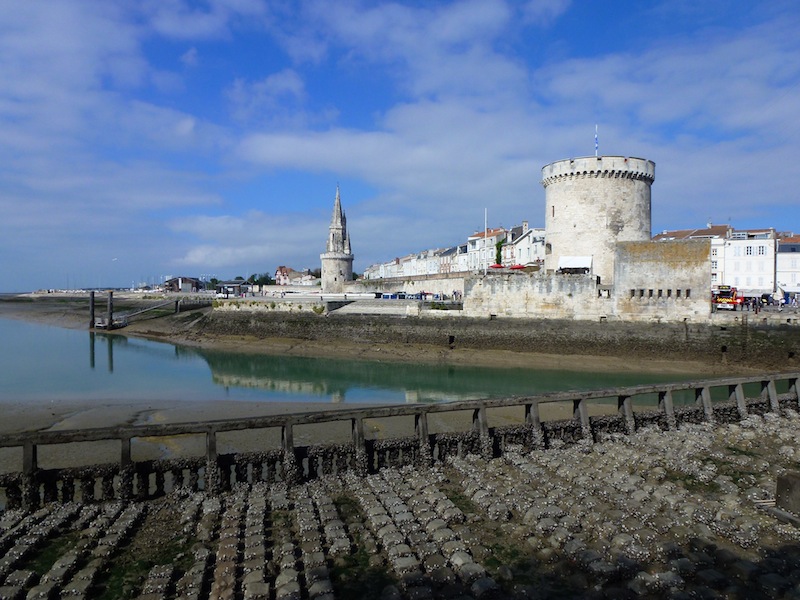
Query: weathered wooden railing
(32,485)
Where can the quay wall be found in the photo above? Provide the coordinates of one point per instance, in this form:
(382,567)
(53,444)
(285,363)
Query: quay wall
(732,339)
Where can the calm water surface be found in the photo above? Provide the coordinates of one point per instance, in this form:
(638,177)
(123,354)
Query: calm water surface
(41,363)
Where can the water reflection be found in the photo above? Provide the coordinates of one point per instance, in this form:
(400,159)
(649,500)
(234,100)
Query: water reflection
(49,363)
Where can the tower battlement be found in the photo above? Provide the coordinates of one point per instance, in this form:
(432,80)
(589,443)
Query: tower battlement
(610,167)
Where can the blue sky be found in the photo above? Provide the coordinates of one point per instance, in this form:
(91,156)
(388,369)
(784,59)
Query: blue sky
(147,138)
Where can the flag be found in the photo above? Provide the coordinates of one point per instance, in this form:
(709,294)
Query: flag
(595,140)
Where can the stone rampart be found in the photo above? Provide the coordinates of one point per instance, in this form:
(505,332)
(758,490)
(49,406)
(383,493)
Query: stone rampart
(734,340)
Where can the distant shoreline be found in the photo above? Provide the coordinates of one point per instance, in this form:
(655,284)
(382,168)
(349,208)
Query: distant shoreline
(72,312)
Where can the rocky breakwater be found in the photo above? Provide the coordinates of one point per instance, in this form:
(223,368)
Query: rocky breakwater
(656,514)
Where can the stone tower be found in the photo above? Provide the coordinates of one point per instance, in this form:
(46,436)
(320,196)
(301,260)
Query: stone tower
(591,204)
(337,260)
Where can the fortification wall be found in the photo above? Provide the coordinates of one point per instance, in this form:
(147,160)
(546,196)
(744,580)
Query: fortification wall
(535,295)
(591,204)
(442,283)
(767,345)
(667,281)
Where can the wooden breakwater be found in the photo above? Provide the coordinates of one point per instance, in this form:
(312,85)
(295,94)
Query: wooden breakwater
(719,400)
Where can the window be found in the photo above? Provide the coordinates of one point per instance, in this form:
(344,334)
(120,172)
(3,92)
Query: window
(737,251)
(713,264)
(678,292)
(749,251)
(688,293)
(713,252)
(713,280)
(762,250)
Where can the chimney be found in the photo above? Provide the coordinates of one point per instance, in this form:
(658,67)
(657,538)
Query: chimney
(524,227)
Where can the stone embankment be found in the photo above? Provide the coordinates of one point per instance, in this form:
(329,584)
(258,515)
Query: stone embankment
(740,338)
(675,514)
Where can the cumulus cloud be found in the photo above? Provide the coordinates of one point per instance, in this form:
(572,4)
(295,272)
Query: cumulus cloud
(432,112)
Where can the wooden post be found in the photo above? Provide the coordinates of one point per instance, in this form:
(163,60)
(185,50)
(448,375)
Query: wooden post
(291,470)
(30,464)
(359,446)
(533,419)
(91,310)
(212,465)
(703,396)
(580,412)
(110,315)
(794,389)
(768,391)
(666,404)
(126,470)
(480,425)
(425,457)
(736,393)
(625,408)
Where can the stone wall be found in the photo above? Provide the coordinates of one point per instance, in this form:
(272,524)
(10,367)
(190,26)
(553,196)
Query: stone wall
(535,295)
(763,344)
(669,281)
(443,283)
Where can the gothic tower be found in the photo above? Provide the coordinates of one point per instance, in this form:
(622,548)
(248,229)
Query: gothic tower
(337,260)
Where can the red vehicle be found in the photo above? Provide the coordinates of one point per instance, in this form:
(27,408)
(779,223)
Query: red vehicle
(727,297)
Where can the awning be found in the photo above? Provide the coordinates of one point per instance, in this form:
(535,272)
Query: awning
(575,262)
(789,289)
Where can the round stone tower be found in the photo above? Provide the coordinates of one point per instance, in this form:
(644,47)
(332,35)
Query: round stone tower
(591,204)
(337,260)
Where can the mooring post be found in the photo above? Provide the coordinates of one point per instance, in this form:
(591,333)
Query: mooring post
(110,315)
(91,310)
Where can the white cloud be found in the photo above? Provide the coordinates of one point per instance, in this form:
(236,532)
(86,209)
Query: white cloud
(544,12)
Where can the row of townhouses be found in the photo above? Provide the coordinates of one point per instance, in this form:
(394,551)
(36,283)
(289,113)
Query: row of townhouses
(755,261)
(520,246)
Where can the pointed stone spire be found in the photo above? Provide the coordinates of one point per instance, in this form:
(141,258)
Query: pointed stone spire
(337,260)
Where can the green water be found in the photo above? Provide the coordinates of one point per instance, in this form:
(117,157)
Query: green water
(51,364)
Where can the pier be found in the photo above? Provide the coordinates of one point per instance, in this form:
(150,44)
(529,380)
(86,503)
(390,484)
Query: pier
(34,484)
(117,321)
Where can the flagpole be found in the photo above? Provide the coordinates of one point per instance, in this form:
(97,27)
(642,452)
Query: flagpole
(595,140)
(485,240)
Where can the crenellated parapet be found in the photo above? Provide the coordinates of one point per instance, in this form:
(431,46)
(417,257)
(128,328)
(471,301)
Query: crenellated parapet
(594,167)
